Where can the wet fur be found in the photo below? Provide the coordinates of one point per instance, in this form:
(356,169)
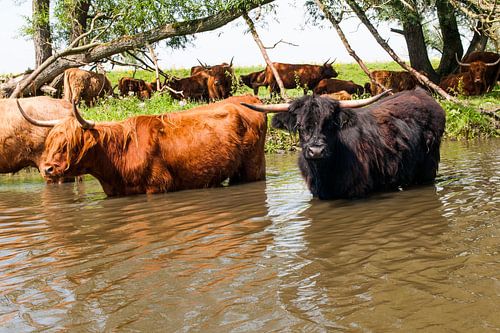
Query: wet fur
(393,143)
(150,154)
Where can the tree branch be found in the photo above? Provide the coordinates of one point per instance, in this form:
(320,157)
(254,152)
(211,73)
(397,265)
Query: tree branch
(421,78)
(269,63)
(336,25)
(278,42)
(95,51)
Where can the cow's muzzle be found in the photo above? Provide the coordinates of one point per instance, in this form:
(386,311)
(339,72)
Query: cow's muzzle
(315,152)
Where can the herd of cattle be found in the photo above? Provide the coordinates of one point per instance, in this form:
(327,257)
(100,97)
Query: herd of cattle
(478,74)
(350,148)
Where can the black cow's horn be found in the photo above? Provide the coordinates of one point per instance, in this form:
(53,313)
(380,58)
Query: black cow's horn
(362,102)
(461,63)
(268,108)
(41,123)
(231,62)
(326,62)
(493,63)
(84,123)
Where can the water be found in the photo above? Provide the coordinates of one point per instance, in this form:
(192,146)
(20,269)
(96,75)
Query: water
(258,257)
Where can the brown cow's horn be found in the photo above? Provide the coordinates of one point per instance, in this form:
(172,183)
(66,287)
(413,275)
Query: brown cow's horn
(493,63)
(362,102)
(203,65)
(326,62)
(461,63)
(268,108)
(231,62)
(84,123)
(333,61)
(41,123)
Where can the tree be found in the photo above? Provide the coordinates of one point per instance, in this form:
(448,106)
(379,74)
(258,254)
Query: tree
(42,38)
(115,28)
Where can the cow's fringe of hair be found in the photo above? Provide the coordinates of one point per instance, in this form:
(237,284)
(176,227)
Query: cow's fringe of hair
(75,138)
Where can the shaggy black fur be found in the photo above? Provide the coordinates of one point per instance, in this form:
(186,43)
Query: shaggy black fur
(348,153)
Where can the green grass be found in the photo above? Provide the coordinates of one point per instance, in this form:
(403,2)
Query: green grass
(463,122)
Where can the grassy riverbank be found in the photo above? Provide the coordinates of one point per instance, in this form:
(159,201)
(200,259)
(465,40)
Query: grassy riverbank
(476,120)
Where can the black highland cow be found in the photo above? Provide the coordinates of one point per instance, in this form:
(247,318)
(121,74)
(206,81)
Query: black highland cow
(349,153)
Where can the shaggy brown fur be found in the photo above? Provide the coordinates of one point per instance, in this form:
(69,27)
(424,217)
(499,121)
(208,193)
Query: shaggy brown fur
(80,84)
(397,81)
(22,144)
(293,76)
(329,86)
(198,148)
(255,80)
(219,79)
(491,74)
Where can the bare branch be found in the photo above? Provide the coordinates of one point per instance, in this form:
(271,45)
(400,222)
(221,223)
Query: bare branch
(336,25)
(278,42)
(269,63)
(421,78)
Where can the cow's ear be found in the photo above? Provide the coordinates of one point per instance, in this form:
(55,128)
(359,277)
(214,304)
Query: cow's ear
(285,121)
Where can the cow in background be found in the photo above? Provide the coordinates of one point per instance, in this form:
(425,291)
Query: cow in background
(484,69)
(81,84)
(349,152)
(299,75)
(131,86)
(219,79)
(254,80)
(193,87)
(394,80)
(22,143)
(329,86)
(192,149)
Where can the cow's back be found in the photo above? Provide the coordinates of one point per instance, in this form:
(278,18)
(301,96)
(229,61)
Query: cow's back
(23,143)
(203,146)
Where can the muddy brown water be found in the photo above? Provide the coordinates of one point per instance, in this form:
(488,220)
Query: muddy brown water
(258,257)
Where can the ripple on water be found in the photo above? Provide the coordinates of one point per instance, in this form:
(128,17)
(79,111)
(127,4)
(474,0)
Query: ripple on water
(257,257)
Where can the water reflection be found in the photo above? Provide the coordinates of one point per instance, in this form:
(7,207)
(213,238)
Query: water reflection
(255,258)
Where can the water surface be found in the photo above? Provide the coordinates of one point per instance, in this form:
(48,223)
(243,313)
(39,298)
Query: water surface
(258,257)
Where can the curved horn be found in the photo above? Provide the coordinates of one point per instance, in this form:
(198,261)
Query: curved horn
(41,123)
(333,61)
(231,62)
(84,123)
(493,63)
(268,108)
(203,65)
(461,63)
(326,62)
(362,102)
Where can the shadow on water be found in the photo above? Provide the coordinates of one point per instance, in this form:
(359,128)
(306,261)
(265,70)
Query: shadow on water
(257,257)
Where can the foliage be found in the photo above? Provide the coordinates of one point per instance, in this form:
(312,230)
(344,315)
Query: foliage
(462,122)
(129,17)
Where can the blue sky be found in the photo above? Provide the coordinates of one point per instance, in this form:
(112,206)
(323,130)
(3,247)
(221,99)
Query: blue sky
(315,45)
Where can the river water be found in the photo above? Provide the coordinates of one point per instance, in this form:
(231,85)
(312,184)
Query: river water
(258,257)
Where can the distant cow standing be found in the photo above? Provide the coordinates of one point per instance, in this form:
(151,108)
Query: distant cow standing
(302,75)
(170,152)
(22,143)
(394,80)
(349,153)
(219,79)
(80,84)
(255,80)
(329,86)
(193,87)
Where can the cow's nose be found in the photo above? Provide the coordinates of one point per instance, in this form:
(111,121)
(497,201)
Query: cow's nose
(49,170)
(315,151)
